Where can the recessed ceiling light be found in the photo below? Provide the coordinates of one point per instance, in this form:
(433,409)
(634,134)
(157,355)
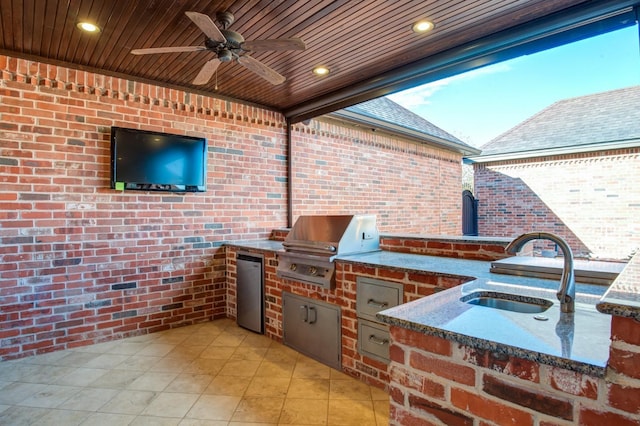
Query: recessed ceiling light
(88,27)
(422,26)
(321,70)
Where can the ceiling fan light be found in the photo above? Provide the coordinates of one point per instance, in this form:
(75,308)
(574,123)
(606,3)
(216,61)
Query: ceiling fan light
(88,27)
(422,26)
(321,70)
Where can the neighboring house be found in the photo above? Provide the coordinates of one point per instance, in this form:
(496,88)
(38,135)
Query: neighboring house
(572,169)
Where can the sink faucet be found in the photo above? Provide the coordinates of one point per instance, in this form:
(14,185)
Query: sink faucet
(567,291)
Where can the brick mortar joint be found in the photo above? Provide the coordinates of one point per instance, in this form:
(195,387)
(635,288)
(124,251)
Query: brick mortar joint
(193,106)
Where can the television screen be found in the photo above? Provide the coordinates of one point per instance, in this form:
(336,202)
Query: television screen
(152,161)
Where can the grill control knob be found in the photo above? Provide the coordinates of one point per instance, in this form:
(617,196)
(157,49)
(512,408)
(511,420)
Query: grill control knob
(313,270)
(293,266)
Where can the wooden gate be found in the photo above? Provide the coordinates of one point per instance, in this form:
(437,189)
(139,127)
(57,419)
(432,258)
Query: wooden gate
(469,214)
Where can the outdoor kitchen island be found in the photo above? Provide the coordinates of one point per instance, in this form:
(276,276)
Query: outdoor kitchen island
(433,379)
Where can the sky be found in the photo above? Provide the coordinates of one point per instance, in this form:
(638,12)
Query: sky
(479,105)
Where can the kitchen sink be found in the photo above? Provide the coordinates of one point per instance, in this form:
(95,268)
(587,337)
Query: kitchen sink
(508,302)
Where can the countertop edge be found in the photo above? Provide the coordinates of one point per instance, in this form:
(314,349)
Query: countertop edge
(475,342)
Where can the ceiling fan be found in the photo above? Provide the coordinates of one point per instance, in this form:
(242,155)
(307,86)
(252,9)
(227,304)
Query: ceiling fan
(228,45)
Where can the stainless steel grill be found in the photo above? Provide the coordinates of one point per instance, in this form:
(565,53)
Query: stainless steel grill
(315,241)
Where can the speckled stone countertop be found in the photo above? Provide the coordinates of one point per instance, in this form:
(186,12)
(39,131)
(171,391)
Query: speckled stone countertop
(578,342)
(623,296)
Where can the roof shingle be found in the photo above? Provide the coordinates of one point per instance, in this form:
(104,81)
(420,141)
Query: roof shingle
(612,116)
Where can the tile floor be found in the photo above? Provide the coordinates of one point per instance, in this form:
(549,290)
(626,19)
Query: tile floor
(207,374)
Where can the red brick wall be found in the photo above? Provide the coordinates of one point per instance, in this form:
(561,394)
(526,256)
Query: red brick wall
(343,169)
(435,381)
(80,262)
(589,199)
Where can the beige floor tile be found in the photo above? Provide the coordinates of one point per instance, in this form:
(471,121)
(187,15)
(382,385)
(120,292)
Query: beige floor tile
(199,422)
(309,389)
(154,421)
(349,389)
(63,417)
(116,379)
(128,348)
(89,399)
(168,365)
(204,366)
(108,419)
(81,376)
(258,409)
(107,361)
(129,402)
(304,412)
(138,363)
(17,415)
(343,412)
(209,374)
(156,349)
(170,404)
(227,385)
(51,396)
(275,369)
(190,383)
(274,387)
(242,368)
(15,393)
(248,353)
(185,353)
(218,352)
(381,411)
(227,339)
(152,381)
(214,407)
(311,369)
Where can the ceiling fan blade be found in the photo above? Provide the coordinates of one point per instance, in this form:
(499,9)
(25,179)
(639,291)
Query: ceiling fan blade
(206,72)
(207,26)
(176,49)
(261,69)
(274,44)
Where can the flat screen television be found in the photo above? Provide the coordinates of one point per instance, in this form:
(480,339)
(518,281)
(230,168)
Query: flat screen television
(152,161)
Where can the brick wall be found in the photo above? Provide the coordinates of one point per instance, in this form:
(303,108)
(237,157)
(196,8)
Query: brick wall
(589,199)
(80,262)
(343,169)
(435,381)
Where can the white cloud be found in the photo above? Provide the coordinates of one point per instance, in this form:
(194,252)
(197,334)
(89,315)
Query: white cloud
(420,95)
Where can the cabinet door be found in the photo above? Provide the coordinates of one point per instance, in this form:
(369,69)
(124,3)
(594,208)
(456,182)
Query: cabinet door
(312,328)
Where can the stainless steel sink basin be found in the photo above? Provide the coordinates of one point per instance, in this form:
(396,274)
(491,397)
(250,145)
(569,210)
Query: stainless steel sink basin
(508,302)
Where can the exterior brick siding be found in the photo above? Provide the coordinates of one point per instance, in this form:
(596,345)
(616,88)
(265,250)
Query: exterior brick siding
(589,199)
(81,263)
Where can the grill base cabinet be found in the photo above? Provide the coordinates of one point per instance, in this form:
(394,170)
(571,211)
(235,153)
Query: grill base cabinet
(312,328)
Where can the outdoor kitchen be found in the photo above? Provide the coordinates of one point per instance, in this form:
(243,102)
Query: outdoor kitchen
(214,213)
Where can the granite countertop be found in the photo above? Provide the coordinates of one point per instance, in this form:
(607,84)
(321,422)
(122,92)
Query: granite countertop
(578,342)
(623,296)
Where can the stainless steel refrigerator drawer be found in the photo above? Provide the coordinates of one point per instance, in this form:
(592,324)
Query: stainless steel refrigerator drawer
(373,340)
(373,296)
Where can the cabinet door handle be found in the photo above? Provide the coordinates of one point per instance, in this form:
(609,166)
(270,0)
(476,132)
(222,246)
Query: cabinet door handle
(314,317)
(304,313)
(378,341)
(377,304)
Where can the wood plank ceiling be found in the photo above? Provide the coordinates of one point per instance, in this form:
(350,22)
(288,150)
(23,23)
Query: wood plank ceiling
(357,40)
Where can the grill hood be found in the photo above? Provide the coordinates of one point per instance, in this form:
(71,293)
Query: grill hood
(314,241)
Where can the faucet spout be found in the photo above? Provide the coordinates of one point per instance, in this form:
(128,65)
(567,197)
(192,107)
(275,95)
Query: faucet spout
(567,291)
